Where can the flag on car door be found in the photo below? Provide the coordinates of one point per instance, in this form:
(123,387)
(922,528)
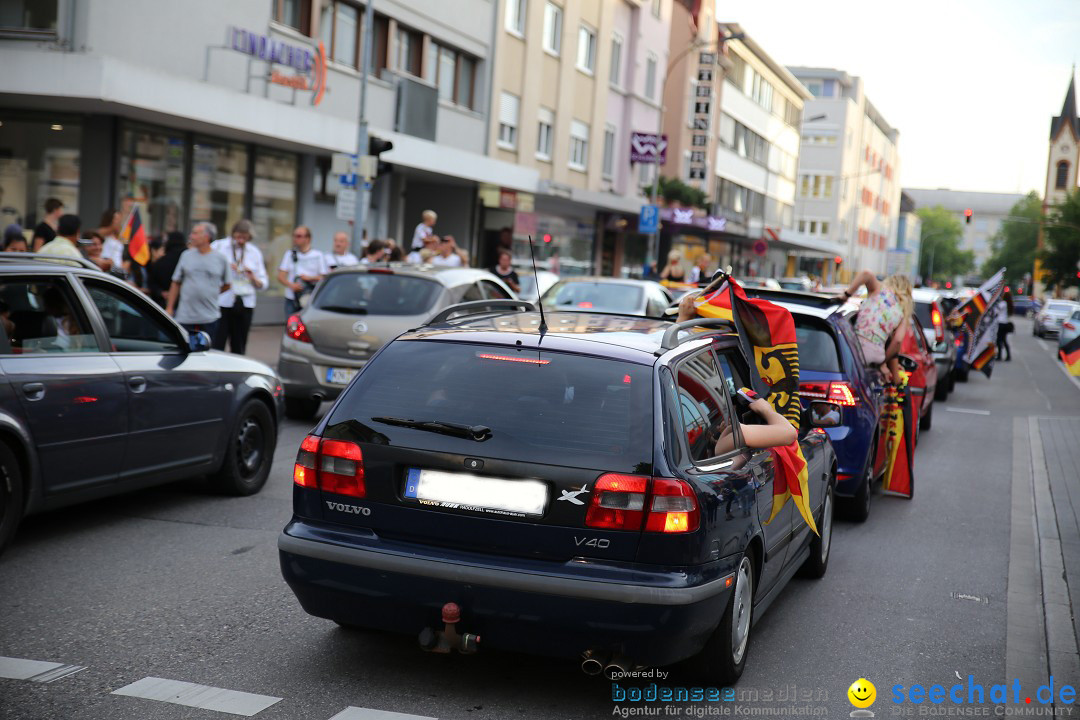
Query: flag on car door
(1070,355)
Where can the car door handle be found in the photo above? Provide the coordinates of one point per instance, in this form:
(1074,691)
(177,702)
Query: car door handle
(137,383)
(34,391)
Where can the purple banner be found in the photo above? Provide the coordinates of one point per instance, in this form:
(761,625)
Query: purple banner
(645,147)
(687,216)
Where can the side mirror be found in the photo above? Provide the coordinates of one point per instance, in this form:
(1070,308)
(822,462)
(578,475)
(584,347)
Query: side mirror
(824,415)
(198,342)
(908,363)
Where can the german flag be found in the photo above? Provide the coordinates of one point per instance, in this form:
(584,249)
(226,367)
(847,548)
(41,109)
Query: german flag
(767,334)
(134,236)
(1070,354)
(899,439)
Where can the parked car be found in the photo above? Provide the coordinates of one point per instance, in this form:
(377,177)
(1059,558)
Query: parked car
(1048,321)
(757,282)
(931,314)
(101,392)
(604,294)
(923,380)
(480,486)
(1070,328)
(354,311)
(535,285)
(1025,305)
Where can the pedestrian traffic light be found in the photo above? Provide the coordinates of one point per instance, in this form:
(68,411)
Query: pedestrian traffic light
(967,216)
(377,146)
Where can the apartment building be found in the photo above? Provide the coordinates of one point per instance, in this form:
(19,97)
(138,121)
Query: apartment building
(848,200)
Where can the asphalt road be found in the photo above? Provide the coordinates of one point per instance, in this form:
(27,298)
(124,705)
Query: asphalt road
(180,584)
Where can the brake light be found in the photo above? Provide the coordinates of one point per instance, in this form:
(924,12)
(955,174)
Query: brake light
(939,327)
(619,502)
(335,466)
(295,328)
(381,271)
(959,341)
(585,304)
(1068,326)
(814,390)
(841,394)
(510,358)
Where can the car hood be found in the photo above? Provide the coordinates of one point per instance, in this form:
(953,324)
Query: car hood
(228,362)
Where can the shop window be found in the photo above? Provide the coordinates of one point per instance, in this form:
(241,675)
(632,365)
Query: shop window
(218,182)
(152,176)
(39,159)
(273,206)
(30,18)
(294,13)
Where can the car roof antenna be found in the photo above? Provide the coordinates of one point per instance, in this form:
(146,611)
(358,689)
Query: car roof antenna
(536,276)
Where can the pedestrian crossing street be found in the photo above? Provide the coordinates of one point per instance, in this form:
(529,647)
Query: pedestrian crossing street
(178,692)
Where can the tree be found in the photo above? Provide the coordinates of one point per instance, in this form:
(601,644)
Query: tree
(675,191)
(1014,243)
(1061,250)
(941,233)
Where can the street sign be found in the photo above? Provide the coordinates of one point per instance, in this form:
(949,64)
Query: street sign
(646,147)
(760,247)
(649,219)
(346,204)
(348,180)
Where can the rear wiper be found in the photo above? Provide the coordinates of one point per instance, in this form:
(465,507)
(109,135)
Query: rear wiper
(479,433)
(343,309)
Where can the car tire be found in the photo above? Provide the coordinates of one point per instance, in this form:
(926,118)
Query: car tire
(11,495)
(960,375)
(952,381)
(723,658)
(928,419)
(301,408)
(818,563)
(857,508)
(249,452)
(941,390)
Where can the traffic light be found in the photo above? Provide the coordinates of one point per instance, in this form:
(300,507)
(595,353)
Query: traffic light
(377,146)
(838,259)
(967,216)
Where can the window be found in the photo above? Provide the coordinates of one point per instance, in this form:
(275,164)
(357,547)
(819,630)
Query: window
(552,28)
(1062,175)
(608,168)
(293,13)
(815,87)
(218,181)
(274,202)
(152,171)
(616,60)
(515,16)
(452,73)
(750,145)
(509,107)
(646,171)
(739,71)
(42,317)
(793,115)
(38,162)
(762,91)
(579,145)
(586,52)
(133,325)
(493,291)
(33,18)
(339,29)
(650,77)
(708,423)
(727,130)
(656,6)
(407,46)
(817,186)
(545,133)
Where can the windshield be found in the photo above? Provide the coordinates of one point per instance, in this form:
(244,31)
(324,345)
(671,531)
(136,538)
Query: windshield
(922,311)
(817,347)
(1058,307)
(792,285)
(544,407)
(377,294)
(606,297)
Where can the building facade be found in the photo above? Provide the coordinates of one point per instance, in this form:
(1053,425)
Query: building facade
(904,257)
(849,173)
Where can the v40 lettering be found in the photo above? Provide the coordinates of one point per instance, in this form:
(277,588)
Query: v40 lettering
(592,542)
(354,509)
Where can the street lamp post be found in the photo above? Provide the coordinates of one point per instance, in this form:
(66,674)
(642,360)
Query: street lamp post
(362,129)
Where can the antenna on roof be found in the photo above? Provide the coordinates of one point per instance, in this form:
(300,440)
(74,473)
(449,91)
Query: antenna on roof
(543,322)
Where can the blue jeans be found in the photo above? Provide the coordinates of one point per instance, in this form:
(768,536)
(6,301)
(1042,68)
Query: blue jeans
(208,328)
(291,307)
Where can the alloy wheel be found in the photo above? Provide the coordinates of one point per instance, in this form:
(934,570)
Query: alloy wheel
(826,525)
(743,606)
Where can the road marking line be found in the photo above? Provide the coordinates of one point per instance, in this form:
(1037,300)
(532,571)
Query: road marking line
(35,670)
(355,713)
(198,696)
(968,411)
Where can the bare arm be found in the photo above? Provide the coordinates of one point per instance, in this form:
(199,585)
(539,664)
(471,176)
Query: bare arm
(174,292)
(867,278)
(775,433)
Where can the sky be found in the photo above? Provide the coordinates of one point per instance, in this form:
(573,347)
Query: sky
(970,84)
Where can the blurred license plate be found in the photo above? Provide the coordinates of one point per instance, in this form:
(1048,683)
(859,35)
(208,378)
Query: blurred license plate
(340,376)
(461,491)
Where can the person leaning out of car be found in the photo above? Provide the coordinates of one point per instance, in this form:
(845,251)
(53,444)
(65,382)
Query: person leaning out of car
(301,270)
(248,275)
(882,320)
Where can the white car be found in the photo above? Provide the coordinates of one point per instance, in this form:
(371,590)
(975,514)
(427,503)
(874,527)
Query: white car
(1050,318)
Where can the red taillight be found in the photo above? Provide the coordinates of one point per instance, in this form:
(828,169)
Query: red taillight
(673,508)
(1068,326)
(959,341)
(619,503)
(381,271)
(585,304)
(295,328)
(511,358)
(334,466)
(939,327)
(835,392)
(841,394)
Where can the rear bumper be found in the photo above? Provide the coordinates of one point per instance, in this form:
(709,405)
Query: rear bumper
(306,377)
(550,608)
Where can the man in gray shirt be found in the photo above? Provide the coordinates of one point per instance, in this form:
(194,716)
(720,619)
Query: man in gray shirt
(204,275)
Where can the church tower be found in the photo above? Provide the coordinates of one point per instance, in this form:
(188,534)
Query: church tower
(1063,163)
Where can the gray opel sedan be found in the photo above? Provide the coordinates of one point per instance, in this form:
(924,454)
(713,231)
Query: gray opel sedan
(101,392)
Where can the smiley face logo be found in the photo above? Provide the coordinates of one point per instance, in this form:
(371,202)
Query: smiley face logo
(862,693)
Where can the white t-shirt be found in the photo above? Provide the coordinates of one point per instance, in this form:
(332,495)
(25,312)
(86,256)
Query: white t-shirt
(113,249)
(310,263)
(346,260)
(453,260)
(414,257)
(422,231)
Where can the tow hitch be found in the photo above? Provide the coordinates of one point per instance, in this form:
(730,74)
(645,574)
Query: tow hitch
(447,639)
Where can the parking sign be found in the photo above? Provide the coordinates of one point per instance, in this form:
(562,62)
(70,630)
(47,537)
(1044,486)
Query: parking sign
(649,219)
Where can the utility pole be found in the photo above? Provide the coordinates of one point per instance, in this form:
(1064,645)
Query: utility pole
(363,195)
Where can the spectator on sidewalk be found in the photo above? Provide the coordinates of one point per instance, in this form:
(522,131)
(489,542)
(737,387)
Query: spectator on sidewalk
(248,269)
(45,231)
(374,252)
(14,240)
(431,245)
(112,249)
(198,281)
(700,271)
(505,271)
(66,242)
(425,228)
(159,274)
(447,256)
(300,270)
(341,257)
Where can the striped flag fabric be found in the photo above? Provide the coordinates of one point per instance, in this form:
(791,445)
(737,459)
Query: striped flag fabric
(1070,355)
(133,234)
(977,322)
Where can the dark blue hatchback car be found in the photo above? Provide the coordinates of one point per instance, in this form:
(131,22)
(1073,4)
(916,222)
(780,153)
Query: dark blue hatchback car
(485,486)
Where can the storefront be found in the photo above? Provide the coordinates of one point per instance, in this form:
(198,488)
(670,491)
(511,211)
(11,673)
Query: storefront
(39,159)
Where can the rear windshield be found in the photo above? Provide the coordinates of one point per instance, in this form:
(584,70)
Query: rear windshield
(1058,307)
(606,297)
(377,294)
(922,311)
(542,407)
(817,347)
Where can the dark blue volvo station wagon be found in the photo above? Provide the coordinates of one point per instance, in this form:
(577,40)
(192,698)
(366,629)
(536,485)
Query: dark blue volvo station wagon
(486,486)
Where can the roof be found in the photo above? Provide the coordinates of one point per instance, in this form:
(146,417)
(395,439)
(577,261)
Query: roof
(608,280)
(33,262)
(781,72)
(445,275)
(1068,112)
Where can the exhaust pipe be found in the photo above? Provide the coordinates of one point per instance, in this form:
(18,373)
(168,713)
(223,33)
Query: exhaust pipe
(593,661)
(617,667)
